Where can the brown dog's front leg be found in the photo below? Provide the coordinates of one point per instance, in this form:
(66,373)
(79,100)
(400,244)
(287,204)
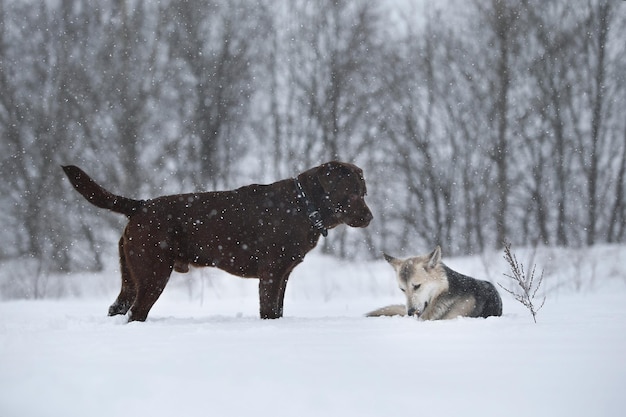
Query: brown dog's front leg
(271,295)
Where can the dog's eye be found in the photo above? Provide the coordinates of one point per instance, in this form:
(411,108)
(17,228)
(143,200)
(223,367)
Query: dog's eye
(416,287)
(402,289)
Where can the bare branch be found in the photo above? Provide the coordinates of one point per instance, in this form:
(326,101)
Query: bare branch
(525,281)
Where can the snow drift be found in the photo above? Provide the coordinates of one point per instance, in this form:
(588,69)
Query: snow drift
(204,351)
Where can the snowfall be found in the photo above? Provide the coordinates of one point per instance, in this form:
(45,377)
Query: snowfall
(204,350)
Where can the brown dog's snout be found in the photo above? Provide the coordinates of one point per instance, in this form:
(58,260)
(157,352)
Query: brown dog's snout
(355,212)
(368,217)
(367,213)
(363,217)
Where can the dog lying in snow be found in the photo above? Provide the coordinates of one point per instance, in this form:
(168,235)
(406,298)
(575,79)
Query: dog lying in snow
(435,292)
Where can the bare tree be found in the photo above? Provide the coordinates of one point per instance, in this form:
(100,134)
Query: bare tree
(617,221)
(215,42)
(332,60)
(599,24)
(416,142)
(503,118)
(551,77)
(126,70)
(500,21)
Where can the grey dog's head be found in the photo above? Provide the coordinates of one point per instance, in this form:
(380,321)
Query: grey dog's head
(421,278)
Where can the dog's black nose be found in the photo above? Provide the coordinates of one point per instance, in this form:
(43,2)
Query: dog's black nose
(410,312)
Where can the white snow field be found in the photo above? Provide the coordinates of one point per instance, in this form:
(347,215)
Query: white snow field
(204,351)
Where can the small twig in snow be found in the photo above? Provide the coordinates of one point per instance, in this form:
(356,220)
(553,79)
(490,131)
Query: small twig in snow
(526,283)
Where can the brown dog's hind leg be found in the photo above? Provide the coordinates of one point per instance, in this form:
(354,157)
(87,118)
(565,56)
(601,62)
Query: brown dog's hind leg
(151,267)
(127,293)
(147,295)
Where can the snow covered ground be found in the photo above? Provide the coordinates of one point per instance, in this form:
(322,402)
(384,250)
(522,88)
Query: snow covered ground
(204,351)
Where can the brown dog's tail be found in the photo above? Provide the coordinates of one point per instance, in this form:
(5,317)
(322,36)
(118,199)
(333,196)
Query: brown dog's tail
(97,195)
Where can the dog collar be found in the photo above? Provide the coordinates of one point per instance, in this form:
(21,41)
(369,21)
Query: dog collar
(313,214)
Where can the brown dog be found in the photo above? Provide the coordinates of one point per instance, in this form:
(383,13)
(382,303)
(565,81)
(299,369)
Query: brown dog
(260,231)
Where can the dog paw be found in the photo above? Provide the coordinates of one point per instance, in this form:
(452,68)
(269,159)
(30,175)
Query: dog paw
(118,308)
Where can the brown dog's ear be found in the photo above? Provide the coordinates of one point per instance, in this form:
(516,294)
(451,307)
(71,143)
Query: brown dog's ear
(331,173)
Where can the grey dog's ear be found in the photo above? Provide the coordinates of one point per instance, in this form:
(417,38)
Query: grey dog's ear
(434,258)
(395,262)
(388,258)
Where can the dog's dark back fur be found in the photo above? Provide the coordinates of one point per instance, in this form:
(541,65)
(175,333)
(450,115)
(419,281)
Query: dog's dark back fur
(260,231)
(488,301)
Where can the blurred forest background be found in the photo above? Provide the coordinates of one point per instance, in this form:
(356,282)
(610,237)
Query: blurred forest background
(474,121)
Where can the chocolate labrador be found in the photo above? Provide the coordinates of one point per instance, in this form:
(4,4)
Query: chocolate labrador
(256,231)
